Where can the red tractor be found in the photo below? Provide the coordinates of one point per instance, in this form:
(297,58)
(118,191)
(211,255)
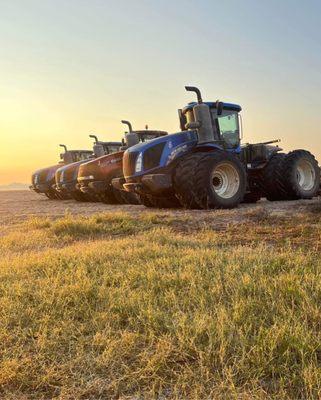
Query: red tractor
(95,176)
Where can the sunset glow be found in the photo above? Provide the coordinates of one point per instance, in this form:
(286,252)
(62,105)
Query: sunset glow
(73,68)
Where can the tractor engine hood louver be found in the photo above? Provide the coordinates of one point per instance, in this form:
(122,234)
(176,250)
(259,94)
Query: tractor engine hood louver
(149,159)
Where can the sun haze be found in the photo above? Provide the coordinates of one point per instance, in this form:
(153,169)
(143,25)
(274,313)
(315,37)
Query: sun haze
(69,69)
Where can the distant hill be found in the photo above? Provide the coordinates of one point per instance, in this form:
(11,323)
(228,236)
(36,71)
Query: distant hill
(15,186)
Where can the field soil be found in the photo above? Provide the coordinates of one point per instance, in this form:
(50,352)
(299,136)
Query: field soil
(19,205)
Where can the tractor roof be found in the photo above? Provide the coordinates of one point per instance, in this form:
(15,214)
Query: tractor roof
(79,151)
(110,143)
(226,106)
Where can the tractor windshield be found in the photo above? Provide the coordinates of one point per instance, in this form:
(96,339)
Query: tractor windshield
(229,129)
(149,134)
(108,149)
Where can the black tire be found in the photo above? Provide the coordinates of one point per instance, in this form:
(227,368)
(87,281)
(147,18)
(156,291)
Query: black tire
(183,186)
(63,196)
(252,197)
(273,179)
(78,196)
(146,200)
(108,198)
(199,186)
(91,197)
(159,202)
(118,196)
(112,196)
(301,174)
(51,195)
(130,198)
(166,202)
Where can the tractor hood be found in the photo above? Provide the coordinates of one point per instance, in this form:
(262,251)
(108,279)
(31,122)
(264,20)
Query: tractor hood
(156,153)
(102,168)
(44,175)
(69,172)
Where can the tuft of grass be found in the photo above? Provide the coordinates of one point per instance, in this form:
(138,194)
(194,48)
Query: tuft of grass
(113,306)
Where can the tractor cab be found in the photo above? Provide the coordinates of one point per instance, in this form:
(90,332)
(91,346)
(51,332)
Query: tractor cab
(103,148)
(71,156)
(134,137)
(216,122)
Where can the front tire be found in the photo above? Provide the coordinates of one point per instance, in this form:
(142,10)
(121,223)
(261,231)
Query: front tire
(218,180)
(159,202)
(51,195)
(146,200)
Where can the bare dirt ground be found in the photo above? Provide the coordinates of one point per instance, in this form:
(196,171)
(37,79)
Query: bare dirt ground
(16,206)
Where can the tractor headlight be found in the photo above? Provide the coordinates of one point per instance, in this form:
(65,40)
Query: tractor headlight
(139,163)
(36,179)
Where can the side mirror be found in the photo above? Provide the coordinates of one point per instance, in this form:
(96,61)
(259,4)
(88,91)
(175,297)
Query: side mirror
(219,107)
(182,120)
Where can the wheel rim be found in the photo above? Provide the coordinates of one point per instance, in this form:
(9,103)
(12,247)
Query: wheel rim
(225,180)
(305,175)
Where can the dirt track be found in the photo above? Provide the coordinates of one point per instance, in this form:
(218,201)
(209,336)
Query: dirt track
(16,206)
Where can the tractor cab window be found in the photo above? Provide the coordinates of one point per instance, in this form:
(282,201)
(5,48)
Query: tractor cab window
(229,129)
(112,149)
(81,156)
(146,137)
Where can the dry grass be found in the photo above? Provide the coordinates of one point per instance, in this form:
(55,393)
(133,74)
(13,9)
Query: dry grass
(160,307)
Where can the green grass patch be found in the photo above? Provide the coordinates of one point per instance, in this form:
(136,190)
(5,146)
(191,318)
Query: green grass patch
(131,307)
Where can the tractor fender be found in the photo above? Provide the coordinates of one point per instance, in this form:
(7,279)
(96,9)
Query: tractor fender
(208,147)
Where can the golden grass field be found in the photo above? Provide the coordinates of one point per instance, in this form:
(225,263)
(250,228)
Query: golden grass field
(129,303)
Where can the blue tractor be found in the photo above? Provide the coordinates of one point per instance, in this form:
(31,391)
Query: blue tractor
(205,166)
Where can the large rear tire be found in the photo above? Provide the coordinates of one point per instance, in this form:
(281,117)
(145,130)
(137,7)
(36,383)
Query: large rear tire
(252,197)
(273,179)
(301,174)
(217,180)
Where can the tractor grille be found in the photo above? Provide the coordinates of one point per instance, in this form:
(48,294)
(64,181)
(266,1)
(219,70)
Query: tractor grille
(69,174)
(152,156)
(42,177)
(129,161)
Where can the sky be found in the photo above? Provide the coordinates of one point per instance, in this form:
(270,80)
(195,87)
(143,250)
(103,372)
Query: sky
(70,68)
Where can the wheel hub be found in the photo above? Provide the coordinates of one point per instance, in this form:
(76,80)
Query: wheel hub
(225,180)
(305,175)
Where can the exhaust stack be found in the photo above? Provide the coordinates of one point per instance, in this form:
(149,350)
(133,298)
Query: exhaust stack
(94,137)
(202,117)
(131,137)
